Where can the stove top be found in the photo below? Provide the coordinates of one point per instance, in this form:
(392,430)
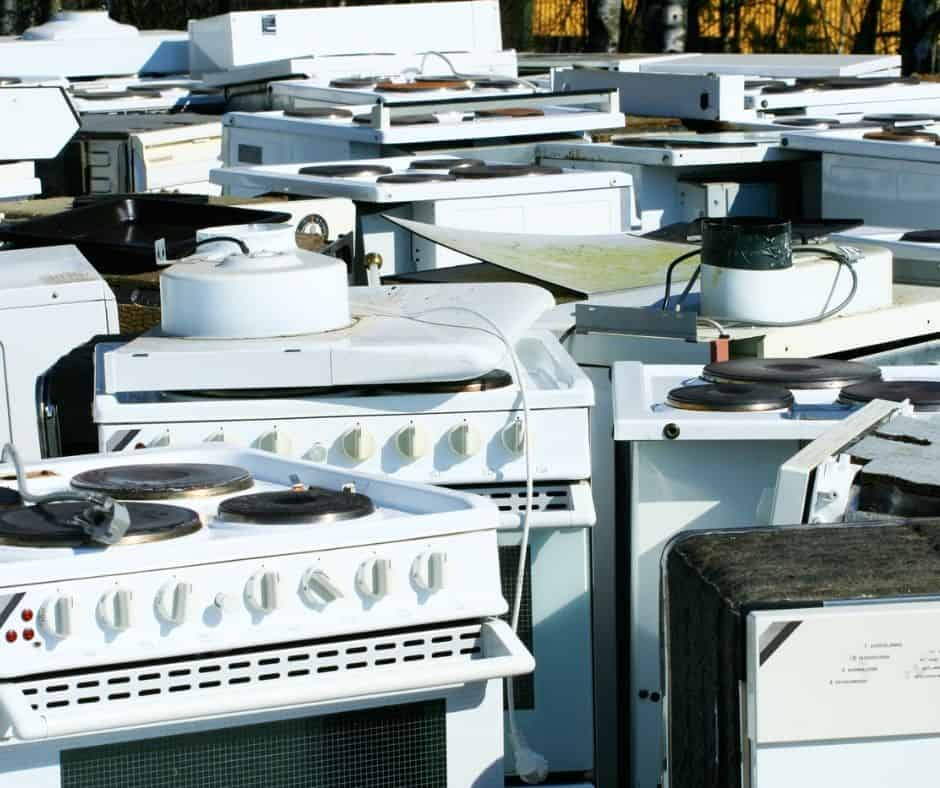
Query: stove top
(791,373)
(413,178)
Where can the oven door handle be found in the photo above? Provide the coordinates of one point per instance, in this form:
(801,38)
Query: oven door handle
(503,655)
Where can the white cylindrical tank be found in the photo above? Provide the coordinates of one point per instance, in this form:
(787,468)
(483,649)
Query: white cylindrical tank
(263,294)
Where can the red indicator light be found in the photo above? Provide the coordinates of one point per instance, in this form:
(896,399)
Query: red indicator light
(27,615)
(11,636)
(28,634)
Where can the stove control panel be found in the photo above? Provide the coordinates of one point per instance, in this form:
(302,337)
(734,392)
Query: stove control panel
(238,603)
(444,448)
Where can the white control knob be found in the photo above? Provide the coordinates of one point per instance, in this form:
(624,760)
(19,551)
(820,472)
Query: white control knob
(514,436)
(161,441)
(173,602)
(317,588)
(357,443)
(216,437)
(55,616)
(317,453)
(374,578)
(429,571)
(275,442)
(262,591)
(412,441)
(115,609)
(464,439)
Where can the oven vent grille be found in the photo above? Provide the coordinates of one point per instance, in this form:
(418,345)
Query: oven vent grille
(547,496)
(321,661)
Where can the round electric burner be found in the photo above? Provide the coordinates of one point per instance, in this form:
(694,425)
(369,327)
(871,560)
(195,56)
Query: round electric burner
(731,397)
(345,170)
(415,177)
(923,394)
(909,136)
(793,373)
(163,480)
(97,95)
(310,506)
(783,88)
(922,236)
(159,87)
(497,379)
(511,112)
(809,123)
(402,120)
(323,113)
(444,164)
(355,82)
(900,118)
(423,84)
(7,81)
(497,83)
(48,525)
(480,171)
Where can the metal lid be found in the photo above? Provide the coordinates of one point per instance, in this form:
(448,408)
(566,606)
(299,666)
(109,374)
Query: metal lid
(793,373)
(480,171)
(731,397)
(322,113)
(163,480)
(345,170)
(48,525)
(444,164)
(923,394)
(415,177)
(309,506)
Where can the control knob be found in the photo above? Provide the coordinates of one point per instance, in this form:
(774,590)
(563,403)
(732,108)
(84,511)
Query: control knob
(262,591)
(374,578)
(317,588)
(412,441)
(357,443)
(55,616)
(514,436)
(429,571)
(115,609)
(173,602)
(275,442)
(161,441)
(464,439)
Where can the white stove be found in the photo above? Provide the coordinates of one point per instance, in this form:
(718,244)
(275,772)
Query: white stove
(110,95)
(690,468)
(449,191)
(234,40)
(81,44)
(51,300)
(885,177)
(374,129)
(737,98)
(322,611)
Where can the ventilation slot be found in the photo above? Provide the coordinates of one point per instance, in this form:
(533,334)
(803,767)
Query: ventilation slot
(546,496)
(523,686)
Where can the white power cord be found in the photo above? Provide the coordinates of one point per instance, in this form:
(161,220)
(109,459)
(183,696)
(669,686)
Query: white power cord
(453,70)
(531,766)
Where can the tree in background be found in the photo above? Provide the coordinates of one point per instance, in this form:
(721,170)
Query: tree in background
(920,24)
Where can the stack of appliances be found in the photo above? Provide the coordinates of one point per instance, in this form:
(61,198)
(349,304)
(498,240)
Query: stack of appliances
(228,610)
(442,121)
(84,44)
(699,449)
(412,382)
(450,191)
(810,650)
(126,153)
(886,176)
(38,122)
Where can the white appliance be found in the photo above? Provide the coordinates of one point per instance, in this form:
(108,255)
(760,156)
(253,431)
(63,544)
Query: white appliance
(682,176)
(739,98)
(109,95)
(374,130)
(681,469)
(38,122)
(342,620)
(124,153)
(883,180)
(243,38)
(91,44)
(51,300)
(916,253)
(523,198)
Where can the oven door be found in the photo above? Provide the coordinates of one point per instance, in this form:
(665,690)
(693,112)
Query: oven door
(418,707)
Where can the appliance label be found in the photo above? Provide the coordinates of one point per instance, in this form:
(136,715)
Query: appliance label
(269,25)
(844,671)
